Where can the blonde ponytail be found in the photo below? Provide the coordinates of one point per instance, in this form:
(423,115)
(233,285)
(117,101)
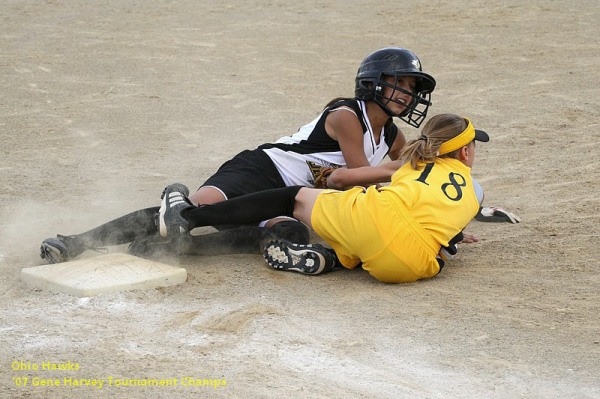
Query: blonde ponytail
(436,132)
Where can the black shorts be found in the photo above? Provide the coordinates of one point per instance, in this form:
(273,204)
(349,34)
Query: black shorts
(248,172)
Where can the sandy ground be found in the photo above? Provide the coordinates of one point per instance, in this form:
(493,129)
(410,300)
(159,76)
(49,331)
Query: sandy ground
(104,103)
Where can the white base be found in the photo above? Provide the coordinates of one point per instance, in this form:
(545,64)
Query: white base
(103,274)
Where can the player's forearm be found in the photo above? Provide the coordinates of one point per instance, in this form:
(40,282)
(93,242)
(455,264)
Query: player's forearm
(344,178)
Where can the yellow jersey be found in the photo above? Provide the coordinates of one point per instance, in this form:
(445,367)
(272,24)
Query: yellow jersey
(440,196)
(397,231)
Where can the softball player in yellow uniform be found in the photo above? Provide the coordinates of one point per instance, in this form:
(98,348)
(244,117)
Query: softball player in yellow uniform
(396,232)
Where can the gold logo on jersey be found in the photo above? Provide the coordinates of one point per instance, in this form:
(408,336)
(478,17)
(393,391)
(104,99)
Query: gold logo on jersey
(315,170)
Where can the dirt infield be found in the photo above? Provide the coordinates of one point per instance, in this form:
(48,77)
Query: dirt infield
(104,103)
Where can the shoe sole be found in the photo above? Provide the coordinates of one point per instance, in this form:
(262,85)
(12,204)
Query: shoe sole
(164,232)
(306,259)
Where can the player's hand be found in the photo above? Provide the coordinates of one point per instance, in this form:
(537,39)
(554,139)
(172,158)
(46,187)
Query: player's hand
(469,239)
(321,179)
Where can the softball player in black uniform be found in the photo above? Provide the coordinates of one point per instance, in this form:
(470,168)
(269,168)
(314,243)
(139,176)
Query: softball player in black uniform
(349,133)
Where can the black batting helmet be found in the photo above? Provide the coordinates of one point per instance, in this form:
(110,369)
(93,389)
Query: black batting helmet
(396,62)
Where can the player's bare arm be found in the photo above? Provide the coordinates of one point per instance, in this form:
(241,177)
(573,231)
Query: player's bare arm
(343,178)
(344,127)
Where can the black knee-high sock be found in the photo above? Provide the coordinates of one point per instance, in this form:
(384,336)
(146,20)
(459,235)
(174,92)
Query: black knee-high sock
(243,239)
(247,209)
(122,230)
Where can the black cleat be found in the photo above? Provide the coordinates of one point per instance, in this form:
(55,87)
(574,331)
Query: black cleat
(60,249)
(305,259)
(174,200)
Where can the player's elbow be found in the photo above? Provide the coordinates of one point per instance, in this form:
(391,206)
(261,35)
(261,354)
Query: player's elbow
(338,179)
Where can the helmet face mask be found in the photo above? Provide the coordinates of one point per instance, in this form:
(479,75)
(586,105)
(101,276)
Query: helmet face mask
(395,62)
(414,112)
